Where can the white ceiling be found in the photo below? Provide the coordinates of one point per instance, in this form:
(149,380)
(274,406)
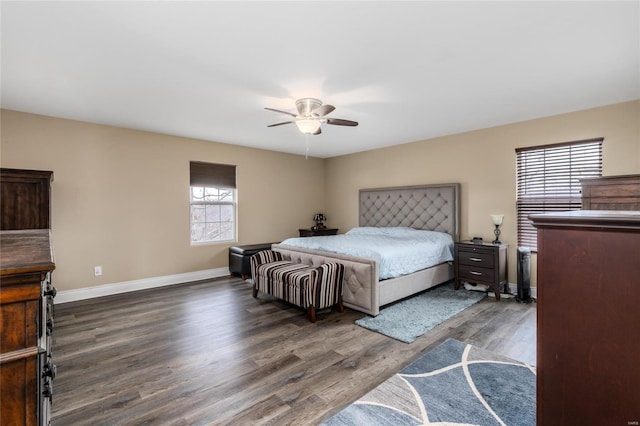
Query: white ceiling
(406,71)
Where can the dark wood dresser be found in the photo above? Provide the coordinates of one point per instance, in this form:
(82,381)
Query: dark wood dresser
(611,193)
(588,327)
(26,299)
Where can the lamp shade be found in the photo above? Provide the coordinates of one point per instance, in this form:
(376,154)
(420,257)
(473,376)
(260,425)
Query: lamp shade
(308,126)
(497,219)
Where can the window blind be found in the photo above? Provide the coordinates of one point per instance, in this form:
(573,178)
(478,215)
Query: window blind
(548,180)
(212,175)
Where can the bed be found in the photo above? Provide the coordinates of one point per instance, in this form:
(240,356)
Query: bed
(427,207)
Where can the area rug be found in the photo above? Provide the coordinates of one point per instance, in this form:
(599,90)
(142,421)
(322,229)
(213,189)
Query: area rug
(455,383)
(411,318)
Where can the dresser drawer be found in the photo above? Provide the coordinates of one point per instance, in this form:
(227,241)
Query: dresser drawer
(477,259)
(475,274)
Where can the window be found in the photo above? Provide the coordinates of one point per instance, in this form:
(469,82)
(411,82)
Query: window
(548,180)
(212,196)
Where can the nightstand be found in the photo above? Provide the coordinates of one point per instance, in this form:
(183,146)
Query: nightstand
(481,264)
(306,232)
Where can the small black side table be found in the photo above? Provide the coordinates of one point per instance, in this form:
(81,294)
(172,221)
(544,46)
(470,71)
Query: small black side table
(306,232)
(240,258)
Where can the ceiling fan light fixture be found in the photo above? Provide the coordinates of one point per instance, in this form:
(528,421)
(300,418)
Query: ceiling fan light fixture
(305,106)
(311,116)
(308,126)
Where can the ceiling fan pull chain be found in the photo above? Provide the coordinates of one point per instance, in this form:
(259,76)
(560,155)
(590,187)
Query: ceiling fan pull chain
(306,142)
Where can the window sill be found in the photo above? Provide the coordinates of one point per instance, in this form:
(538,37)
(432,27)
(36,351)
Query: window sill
(213,243)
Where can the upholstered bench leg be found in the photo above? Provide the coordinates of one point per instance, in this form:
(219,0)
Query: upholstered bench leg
(311,312)
(255,291)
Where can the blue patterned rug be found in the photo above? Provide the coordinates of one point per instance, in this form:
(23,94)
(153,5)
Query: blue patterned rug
(455,383)
(412,317)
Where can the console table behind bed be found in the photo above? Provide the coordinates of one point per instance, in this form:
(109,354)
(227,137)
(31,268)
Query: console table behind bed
(429,207)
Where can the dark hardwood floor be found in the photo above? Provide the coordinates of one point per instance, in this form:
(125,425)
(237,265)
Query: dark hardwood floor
(209,353)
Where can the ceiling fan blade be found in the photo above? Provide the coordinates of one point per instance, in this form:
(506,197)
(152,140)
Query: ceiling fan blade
(280,111)
(323,110)
(279,124)
(341,122)
(317,132)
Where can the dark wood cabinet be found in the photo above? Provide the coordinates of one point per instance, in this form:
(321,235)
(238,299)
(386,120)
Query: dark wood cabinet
(481,264)
(309,232)
(25,198)
(26,307)
(26,299)
(588,333)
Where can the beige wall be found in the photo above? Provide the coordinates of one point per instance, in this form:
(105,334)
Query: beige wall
(483,162)
(120,197)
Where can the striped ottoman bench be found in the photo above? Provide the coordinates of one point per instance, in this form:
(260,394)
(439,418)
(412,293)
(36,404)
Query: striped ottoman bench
(308,287)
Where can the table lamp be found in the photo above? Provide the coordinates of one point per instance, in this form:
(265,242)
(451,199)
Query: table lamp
(497,221)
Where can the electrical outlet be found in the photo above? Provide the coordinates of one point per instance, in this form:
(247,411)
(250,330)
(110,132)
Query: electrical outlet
(97,270)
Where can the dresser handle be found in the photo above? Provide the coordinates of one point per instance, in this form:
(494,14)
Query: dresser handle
(475,259)
(475,273)
(47,391)
(50,370)
(51,291)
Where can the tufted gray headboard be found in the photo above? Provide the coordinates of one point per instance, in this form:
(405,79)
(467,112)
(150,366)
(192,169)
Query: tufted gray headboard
(431,207)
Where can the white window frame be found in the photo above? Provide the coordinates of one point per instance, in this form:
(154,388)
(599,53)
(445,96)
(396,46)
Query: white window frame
(224,227)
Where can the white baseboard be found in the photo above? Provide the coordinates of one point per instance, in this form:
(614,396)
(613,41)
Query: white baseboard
(65,296)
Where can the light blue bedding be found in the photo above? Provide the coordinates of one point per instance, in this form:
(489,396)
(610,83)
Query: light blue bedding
(398,251)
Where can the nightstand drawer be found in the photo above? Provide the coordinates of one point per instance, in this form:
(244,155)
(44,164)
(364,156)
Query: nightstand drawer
(476,248)
(474,274)
(478,259)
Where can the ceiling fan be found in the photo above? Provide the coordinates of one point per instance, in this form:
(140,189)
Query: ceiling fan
(311,115)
